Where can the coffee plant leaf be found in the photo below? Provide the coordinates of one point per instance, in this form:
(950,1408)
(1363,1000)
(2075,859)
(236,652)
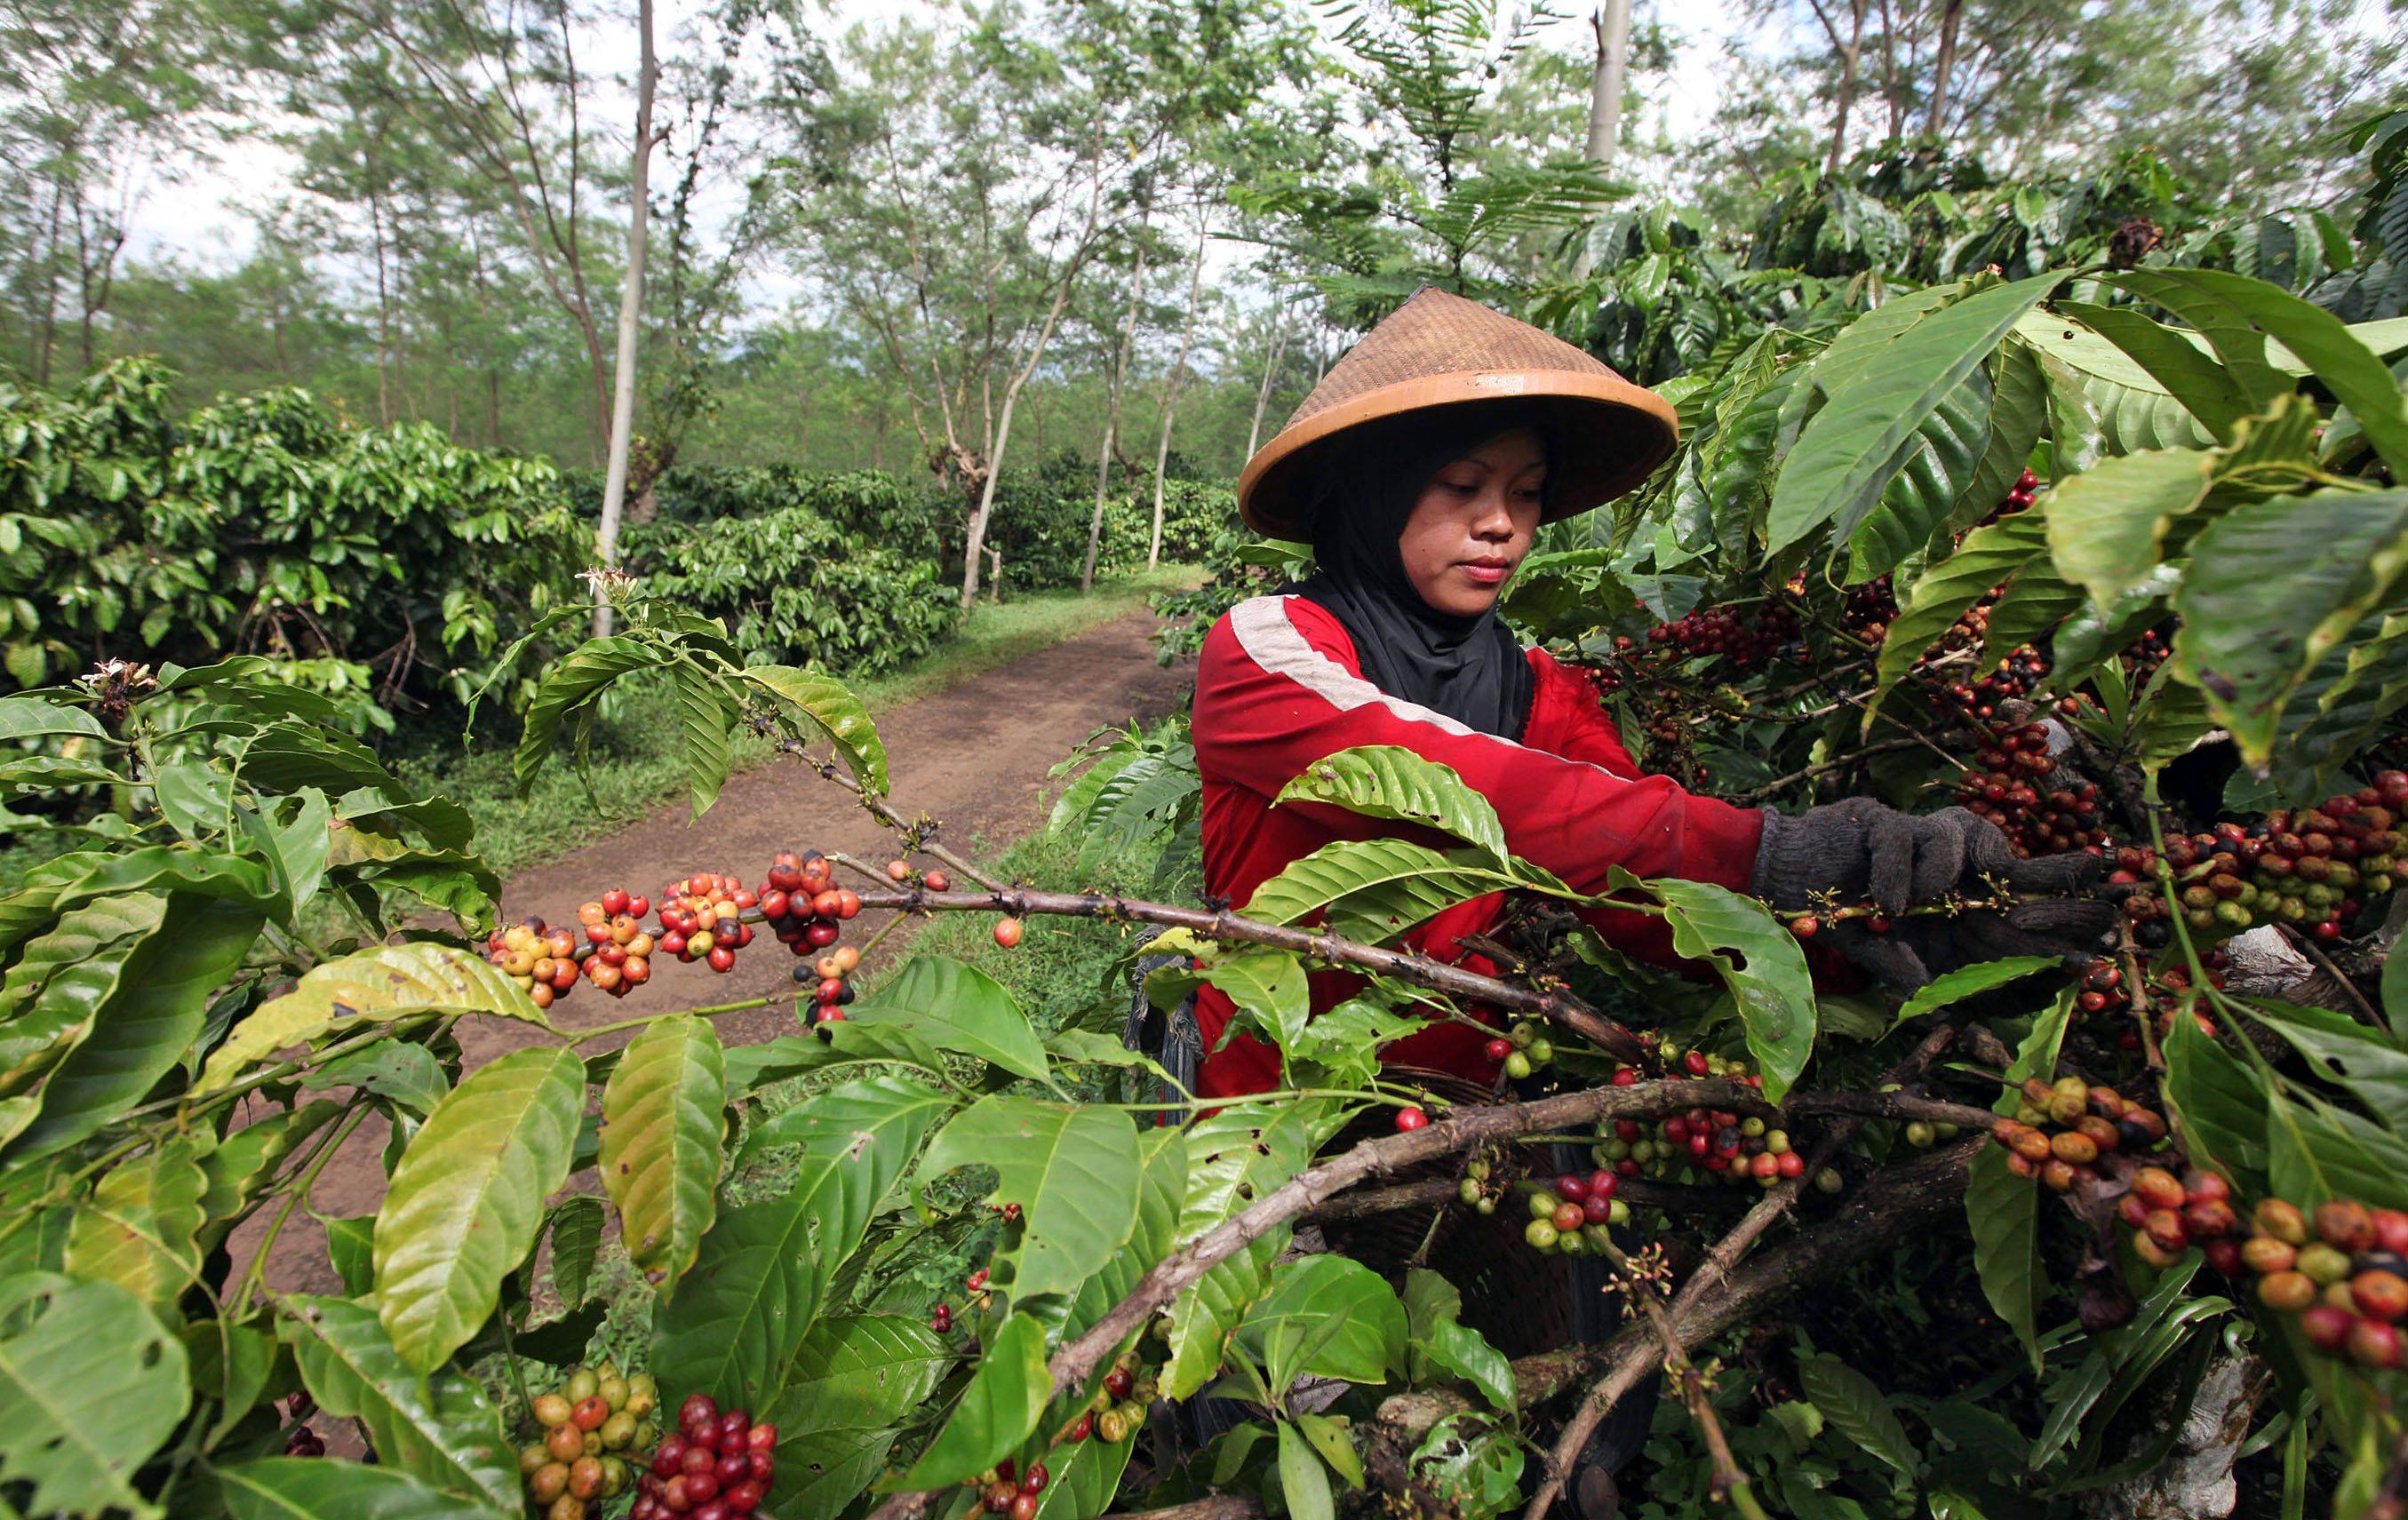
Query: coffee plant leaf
(381,985)
(32,717)
(1939,469)
(141,1227)
(71,881)
(74,1442)
(145,1022)
(664,1110)
(49,997)
(706,713)
(576,1232)
(571,682)
(2273,586)
(1377,889)
(2204,388)
(1329,1436)
(1438,1337)
(1967,981)
(1135,800)
(957,1007)
(1007,1393)
(2220,1102)
(1768,982)
(2237,315)
(1074,1171)
(835,712)
(1267,982)
(2036,601)
(1386,781)
(1868,428)
(1858,1409)
(854,1381)
(468,1197)
(328,1488)
(443,1429)
(1988,555)
(2099,399)
(2002,1210)
(761,1278)
(2338,710)
(1303,1479)
(2316,1151)
(402,1070)
(1236,1155)
(1083,1486)
(2019,419)
(2354,1056)
(287,757)
(1325,1316)
(1162,1192)
(2107,524)
(2073,1398)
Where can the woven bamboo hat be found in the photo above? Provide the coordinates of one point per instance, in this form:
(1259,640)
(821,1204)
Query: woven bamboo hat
(1438,349)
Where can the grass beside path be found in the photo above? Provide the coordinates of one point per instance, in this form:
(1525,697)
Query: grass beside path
(632,768)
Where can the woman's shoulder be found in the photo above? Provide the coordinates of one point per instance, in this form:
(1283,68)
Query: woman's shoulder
(1269,629)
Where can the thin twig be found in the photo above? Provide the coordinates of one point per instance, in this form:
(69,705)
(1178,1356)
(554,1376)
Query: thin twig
(2325,963)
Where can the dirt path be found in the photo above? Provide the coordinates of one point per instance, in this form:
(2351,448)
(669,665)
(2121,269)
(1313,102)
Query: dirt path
(973,756)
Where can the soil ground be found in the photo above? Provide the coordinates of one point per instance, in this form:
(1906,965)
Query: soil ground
(973,756)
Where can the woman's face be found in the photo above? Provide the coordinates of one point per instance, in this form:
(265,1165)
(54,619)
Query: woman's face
(1474,522)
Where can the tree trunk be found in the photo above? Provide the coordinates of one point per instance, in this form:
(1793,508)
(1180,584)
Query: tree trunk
(1271,375)
(384,311)
(631,311)
(1951,11)
(1849,54)
(1612,26)
(1170,397)
(1112,415)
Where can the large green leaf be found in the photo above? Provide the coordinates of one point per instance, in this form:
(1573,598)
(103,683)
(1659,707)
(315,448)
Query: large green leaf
(2002,1210)
(1161,1193)
(147,1021)
(2237,315)
(51,995)
(853,1382)
(957,1007)
(2316,1151)
(1376,889)
(1868,428)
(1386,781)
(2219,1101)
(762,1273)
(141,1227)
(1856,1409)
(1303,1480)
(2370,1066)
(2099,400)
(1759,960)
(1967,981)
(2018,417)
(2274,585)
(441,1428)
(1919,499)
(834,710)
(1005,1395)
(1433,1313)
(468,1197)
(1234,1155)
(376,986)
(573,681)
(324,1488)
(1073,1169)
(1325,1316)
(1988,557)
(663,1112)
(2205,389)
(91,1385)
(576,1231)
(35,717)
(706,719)
(2105,524)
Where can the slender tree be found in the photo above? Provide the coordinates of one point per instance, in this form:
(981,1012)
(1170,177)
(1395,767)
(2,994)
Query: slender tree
(1170,392)
(631,312)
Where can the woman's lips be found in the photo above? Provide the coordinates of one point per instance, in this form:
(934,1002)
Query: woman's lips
(1488,572)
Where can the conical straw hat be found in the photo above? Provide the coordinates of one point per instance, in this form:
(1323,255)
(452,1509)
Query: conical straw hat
(1438,349)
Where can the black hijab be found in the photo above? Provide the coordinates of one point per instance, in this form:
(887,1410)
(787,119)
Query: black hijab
(1471,670)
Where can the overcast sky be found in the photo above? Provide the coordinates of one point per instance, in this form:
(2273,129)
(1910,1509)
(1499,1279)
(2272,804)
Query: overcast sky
(204,218)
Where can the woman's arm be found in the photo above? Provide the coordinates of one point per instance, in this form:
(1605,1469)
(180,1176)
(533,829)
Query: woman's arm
(1279,689)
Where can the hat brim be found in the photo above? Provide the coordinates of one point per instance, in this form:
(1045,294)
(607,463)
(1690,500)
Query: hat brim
(1612,435)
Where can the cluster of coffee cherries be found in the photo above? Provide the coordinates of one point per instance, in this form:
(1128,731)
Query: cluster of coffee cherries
(1867,610)
(940,1319)
(716,1465)
(1568,1216)
(2143,655)
(1714,1143)
(2342,1271)
(1006,1488)
(301,1440)
(1521,1049)
(2026,488)
(2314,869)
(2012,768)
(702,918)
(806,910)
(542,959)
(621,959)
(2018,676)
(2170,1214)
(1117,1408)
(2060,1129)
(588,1419)
(2104,989)
(1745,640)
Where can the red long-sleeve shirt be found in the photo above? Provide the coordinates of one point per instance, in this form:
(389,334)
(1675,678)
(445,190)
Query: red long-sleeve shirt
(1279,687)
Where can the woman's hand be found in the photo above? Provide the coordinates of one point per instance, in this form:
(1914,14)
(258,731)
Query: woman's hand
(1858,850)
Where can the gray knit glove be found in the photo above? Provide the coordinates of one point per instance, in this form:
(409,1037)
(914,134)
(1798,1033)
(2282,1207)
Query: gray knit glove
(1856,850)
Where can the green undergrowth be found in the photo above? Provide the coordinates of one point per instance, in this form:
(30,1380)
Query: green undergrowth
(630,768)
